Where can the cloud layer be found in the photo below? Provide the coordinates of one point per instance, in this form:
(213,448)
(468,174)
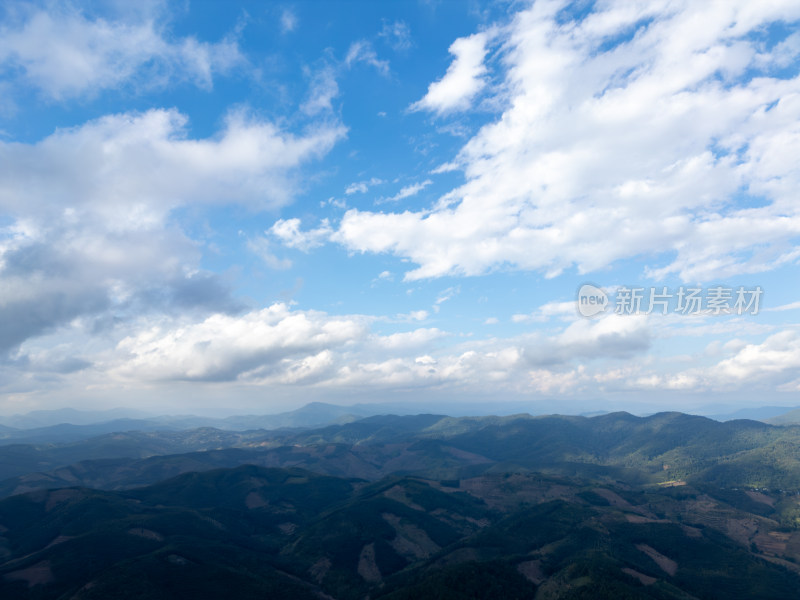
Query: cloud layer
(64,54)
(663,132)
(90,208)
(645,129)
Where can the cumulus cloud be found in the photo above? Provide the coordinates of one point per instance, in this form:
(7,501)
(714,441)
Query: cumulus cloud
(463,80)
(63,273)
(223,348)
(636,130)
(283,345)
(131,169)
(615,336)
(288,231)
(778,355)
(771,364)
(65,54)
(417,339)
(89,209)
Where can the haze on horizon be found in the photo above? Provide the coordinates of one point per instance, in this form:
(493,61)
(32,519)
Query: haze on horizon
(231,208)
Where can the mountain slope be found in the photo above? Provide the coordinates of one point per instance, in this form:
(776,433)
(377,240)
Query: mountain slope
(619,446)
(254,532)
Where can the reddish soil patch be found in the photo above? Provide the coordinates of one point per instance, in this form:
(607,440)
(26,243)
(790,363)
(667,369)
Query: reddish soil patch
(741,530)
(287,528)
(692,532)
(146,533)
(613,498)
(532,571)
(59,496)
(644,579)
(319,569)
(669,566)
(59,540)
(38,574)
(367,567)
(773,542)
(640,519)
(759,497)
(255,500)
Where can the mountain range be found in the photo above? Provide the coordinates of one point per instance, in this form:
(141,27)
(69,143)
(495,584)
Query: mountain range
(409,506)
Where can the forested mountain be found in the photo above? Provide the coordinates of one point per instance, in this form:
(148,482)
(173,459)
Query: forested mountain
(289,533)
(660,448)
(788,418)
(423,506)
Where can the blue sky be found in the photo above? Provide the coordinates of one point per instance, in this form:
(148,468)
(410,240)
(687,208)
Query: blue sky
(220,207)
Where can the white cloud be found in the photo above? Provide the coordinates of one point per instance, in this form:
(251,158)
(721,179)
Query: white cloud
(611,338)
(223,348)
(447,294)
(463,80)
(790,306)
(564,310)
(288,21)
(417,339)
(324,86)
(410,190)
(447,167)
(64,54)
(280,346)
(362,51)
(89,208)
(263,249)
(414,315)
(323,89)
(778,354)
(773,364)
(288,232)
(361,187)
(397,35)
(324,81)
(132,169)
(676,142)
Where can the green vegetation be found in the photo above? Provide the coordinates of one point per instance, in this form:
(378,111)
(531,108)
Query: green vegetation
(554,507)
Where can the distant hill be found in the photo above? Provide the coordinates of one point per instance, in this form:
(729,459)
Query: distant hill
(614,447)
(67,432)
(314,414)
(47,418)
(67,424)
(759,413)
(788,418)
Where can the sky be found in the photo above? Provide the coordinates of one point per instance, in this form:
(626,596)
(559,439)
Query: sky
(227,207)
